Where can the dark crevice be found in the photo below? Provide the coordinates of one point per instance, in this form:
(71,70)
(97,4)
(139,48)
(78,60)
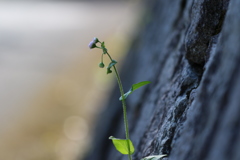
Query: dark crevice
(221,18)
(220,24)
(188,93)
(202,27)
(192,80)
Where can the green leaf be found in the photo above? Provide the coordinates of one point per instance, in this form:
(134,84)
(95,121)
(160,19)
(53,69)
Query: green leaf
(138,85)
(154,157)
(109,70)
(121,145)
(112,63)
(133,88)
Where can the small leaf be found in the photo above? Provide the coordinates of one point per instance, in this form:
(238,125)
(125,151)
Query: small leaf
(121,145)
(154,157)
(138,85)
(133,88)
(109,70)
(112,63)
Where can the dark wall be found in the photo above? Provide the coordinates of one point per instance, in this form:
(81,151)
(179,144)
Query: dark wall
(190,50)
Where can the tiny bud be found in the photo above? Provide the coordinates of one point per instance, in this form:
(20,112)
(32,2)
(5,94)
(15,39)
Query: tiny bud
(92,45)
(101,65)
(95,40)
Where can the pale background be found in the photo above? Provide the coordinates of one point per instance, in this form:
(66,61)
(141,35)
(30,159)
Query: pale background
(51,88)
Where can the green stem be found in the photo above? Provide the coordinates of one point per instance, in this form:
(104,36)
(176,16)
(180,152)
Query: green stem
(102,58)
(124,107)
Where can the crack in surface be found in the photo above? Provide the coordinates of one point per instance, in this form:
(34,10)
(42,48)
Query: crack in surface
(163,135)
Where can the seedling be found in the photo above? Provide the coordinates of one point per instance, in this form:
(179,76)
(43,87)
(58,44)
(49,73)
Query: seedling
(124,146)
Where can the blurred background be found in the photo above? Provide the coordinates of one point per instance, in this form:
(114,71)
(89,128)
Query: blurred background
(51,88)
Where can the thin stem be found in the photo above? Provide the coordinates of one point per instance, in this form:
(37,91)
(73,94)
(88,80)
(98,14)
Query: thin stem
(102,58)
(124,107)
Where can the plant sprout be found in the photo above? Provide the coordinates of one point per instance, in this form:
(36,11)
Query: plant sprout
(124,146)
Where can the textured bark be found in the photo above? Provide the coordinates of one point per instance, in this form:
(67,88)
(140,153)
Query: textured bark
(190,51)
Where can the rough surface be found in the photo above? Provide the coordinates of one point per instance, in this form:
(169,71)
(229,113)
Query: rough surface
(190,51)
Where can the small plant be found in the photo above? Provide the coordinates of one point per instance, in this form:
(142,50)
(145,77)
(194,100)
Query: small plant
(124,146)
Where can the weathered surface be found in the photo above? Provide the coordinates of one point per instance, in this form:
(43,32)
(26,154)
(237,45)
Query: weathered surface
(191,111)
(206,21)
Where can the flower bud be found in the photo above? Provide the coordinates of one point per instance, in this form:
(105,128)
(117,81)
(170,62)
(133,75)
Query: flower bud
(95,40)
(101,65)
(92,45)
